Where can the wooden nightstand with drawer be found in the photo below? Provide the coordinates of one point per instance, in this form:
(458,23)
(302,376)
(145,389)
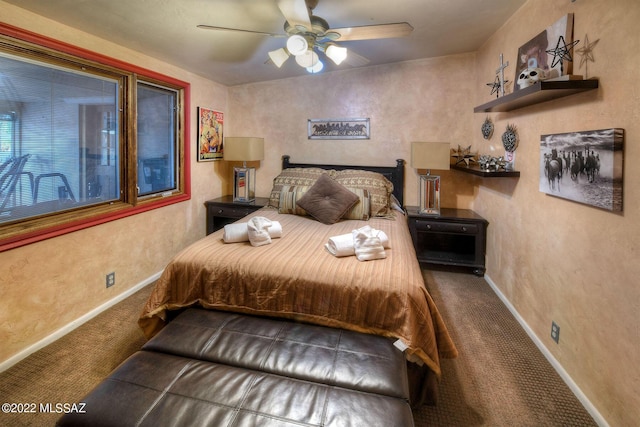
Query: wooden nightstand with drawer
(223,211)
(456,238)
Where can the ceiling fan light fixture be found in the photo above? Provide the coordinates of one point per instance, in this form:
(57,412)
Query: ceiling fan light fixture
(336,53)
(316,68)
(308,59)
(297,45)
(279,56)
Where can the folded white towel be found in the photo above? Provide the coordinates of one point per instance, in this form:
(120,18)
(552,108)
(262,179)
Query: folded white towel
(258,231)
(238,232)
(343,244)
(367,246)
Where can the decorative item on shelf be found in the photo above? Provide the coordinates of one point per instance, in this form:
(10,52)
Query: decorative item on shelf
(495,87)
(586,51)
(491,164)
(509,159)
(430,155)
(533,56)
(487,128)
(463,155)
(244,149)
(562,52)
(499,83)
(500,73)
(510,138)
(531,75)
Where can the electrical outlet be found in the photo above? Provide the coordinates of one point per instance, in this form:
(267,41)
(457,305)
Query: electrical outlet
(555,332)
(111,279)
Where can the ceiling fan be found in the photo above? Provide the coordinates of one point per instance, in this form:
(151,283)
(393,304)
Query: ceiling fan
(307,33)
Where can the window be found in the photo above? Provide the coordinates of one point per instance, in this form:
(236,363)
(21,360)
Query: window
(157,108)
(70,155)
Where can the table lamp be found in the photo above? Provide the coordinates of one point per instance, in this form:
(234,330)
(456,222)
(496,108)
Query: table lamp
(243,149)
(430,155)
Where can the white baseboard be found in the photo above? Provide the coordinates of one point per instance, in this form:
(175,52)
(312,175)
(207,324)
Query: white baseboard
(597,417)
(76,323)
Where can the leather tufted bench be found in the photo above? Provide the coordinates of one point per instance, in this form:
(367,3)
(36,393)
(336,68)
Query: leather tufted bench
(224,369)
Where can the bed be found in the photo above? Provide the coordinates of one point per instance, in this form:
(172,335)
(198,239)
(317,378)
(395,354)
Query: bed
(296,277)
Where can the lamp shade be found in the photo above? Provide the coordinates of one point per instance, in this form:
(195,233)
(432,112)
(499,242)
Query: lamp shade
(244,149)
(429,155)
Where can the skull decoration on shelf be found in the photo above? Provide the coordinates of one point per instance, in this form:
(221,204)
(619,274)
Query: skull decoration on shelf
(529,77)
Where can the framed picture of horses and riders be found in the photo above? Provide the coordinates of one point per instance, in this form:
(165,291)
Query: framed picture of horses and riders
(338,128)
(585,167)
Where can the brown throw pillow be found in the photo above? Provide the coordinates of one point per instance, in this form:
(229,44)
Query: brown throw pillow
(327,200)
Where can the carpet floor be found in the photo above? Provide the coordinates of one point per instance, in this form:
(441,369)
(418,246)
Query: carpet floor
(499,379)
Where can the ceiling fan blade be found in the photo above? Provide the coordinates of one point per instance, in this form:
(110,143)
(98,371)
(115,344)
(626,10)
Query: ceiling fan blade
(238,30)
(296,13)
(355,60)
(368,32)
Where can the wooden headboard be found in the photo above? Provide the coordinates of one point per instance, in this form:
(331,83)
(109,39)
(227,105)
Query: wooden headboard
(395,174)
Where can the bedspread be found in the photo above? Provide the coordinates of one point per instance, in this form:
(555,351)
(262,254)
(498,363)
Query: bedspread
(295,277)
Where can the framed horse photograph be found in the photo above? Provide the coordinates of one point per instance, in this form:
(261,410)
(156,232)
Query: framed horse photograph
(584,166)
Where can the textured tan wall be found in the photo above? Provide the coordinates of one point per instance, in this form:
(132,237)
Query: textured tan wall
(424,100)
(45,286)
(559,260)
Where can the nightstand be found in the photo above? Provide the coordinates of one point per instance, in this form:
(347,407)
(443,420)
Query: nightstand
(455,238)
(224,210)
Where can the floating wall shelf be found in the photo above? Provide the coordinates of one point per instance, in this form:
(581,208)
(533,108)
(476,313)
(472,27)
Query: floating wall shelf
(539,92)
(475,170)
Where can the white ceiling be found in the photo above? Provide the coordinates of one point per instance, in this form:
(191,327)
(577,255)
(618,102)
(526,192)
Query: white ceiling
(166,29)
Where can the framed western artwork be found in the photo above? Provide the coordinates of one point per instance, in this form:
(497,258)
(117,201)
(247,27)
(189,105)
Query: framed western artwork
(210,134)
(585,167)
(338,128)
(547,55)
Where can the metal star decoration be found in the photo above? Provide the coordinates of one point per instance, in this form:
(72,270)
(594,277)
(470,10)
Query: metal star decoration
(495,87)
(463,155)
(587,53)
(562,52)
(499,83)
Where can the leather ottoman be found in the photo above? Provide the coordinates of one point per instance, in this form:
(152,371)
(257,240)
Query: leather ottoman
(224,369)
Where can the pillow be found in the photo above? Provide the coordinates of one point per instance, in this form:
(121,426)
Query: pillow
(395,204)
(327,201)
(290,194)
(362,209)
(379,187)
(293,176)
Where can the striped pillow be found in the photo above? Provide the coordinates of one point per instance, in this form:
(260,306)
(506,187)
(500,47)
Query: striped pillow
(294,177)
(362,209)
(290,194)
